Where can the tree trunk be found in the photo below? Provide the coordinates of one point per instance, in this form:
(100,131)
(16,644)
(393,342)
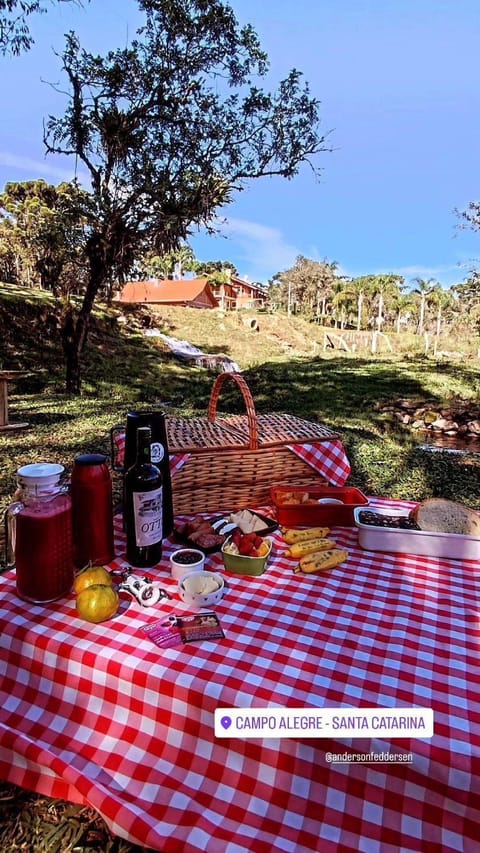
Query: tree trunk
(359,311)
(72,355)
(380,313)
(422,314)
(75,329)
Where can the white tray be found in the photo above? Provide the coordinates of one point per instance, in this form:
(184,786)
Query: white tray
(451,546)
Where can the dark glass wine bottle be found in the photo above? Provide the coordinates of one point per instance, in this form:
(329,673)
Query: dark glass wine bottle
(144,506)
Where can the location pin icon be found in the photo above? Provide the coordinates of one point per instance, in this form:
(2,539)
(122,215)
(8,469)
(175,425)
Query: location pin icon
(226,722)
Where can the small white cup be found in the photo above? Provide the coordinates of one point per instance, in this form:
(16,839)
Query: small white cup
(197,600)
(185,561)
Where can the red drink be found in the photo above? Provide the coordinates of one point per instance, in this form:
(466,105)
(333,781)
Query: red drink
(39,534)
(43,549)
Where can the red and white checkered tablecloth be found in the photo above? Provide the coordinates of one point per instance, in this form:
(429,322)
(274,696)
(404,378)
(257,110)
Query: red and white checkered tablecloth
(327,457)
(98,714)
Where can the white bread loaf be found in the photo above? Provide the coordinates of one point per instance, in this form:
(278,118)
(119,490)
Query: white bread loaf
(442,516)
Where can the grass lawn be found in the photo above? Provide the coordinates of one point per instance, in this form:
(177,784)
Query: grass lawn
(284,365)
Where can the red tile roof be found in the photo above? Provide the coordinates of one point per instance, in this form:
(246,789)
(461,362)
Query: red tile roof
(195,291)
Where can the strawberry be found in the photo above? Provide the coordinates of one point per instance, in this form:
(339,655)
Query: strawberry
(250,537)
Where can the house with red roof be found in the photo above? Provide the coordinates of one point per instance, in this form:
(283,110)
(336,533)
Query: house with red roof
(195,293)
(248,294)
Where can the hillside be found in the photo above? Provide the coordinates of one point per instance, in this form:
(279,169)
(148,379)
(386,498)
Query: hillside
(211,331)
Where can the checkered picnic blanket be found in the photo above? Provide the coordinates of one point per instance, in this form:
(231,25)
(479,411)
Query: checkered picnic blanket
(98,714)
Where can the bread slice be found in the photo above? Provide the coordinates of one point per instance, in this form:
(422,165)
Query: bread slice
(442,516)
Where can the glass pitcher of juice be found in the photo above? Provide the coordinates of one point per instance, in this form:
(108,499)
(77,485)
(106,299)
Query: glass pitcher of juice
(39,534)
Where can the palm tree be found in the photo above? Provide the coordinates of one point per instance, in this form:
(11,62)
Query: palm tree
(424,289)
(403,305)
(383,287)
(442,299)
(361,287)
(343,302)
(170,263)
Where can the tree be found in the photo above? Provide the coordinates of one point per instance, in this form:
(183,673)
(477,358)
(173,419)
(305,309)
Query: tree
(424,289)
(360,286)
(42,229)
(467,295)
(169,128)
(218,274)
(344,302)
(224,269)
(403,305)
(378,290)
(15,34)
(383,287)
(442,300)
(308,286)
(172,263)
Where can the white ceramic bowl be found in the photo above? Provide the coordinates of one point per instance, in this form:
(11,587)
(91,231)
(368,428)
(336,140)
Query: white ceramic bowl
(185,561)
(195,589)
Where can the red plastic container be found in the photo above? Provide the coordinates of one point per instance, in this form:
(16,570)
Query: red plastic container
(308,512)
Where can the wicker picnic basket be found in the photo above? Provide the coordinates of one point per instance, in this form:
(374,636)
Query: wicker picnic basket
(233,460)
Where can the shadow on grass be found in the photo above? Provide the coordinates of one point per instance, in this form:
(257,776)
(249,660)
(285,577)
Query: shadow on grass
(50,418)
(334,388)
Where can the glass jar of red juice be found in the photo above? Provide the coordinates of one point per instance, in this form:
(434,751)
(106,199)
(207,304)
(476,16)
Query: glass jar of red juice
(39,534)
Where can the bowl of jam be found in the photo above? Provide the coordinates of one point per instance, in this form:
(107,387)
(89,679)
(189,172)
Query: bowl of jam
(186,560)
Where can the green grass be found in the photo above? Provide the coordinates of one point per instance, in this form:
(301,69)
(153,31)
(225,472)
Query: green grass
(284,364)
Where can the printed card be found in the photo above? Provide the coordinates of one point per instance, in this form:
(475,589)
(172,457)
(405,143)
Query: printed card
(185,629)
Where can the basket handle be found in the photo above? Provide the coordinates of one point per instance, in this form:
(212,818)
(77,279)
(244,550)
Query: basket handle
(248,400)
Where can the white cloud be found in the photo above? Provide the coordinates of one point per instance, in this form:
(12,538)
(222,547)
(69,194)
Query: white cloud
(38,168)
(426,272)
(262,250)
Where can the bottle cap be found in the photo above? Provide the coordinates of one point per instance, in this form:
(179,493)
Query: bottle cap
(40,475)
(90,459)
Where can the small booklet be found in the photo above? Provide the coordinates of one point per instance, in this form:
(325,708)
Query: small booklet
(185,629)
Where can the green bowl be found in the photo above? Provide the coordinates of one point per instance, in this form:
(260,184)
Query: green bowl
(243,565)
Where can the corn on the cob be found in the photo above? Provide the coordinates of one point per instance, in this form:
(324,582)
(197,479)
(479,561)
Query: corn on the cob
(292,536)
(321,560)
(299,549)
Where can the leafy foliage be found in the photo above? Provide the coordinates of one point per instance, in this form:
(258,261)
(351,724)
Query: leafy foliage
(42,234)
(15,36)
(305,288)
(169,128)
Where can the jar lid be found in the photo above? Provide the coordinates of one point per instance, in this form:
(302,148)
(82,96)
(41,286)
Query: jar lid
(90,459)
(40,474)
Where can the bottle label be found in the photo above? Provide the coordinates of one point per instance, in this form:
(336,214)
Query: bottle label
(157,452)
(148,511)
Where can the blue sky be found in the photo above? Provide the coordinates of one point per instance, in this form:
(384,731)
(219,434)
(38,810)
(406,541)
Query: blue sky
(398,82)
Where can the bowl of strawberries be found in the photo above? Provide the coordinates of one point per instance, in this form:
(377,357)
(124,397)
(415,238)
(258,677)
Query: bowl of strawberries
(246,553)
